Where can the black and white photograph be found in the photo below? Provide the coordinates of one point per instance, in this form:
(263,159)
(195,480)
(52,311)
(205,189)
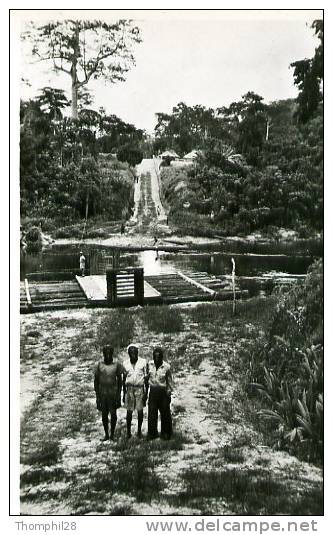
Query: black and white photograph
(170,177)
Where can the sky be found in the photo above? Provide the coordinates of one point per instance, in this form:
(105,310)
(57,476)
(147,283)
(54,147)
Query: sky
(203,58)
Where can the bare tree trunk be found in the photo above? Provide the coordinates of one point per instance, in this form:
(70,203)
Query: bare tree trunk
(76,52)
(233,286)
(74,99)
(268,124)
(87,205)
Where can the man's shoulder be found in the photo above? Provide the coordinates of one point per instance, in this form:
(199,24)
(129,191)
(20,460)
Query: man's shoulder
(166,365)
(142,361)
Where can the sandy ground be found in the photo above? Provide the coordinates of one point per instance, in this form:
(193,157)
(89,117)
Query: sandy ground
(209,415)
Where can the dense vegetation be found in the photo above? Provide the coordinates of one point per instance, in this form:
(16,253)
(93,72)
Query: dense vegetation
(259,166)
(286,366)
(227,196)
(64,174)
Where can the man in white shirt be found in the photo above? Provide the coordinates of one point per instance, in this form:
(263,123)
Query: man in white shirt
(135,387)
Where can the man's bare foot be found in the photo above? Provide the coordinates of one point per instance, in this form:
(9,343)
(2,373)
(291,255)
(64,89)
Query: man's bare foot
(105,438)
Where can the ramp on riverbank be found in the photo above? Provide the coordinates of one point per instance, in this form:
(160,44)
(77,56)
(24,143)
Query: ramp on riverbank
(91,291)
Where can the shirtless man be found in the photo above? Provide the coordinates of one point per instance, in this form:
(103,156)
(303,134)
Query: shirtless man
(107,384)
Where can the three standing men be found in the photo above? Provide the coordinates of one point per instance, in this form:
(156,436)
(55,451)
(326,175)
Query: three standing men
(136,378)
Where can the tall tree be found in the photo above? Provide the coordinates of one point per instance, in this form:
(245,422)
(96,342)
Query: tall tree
(187,127)
(248,119)
(308,76)
(85,50)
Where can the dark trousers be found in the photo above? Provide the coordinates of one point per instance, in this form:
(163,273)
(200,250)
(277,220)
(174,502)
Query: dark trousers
(159,401)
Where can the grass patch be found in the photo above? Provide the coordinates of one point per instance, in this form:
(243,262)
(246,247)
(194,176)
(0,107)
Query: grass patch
(178,409)
(175,443)
(45,494)
(163,319)
(94,506)
(83,349)
(133,474)
(46,452)
(79,414)
(56,368)
(251,492)
(263,461)
(241,440)
(71,231)
(226,408)
(28,424)
(254,310)
(97,233)
(232,455)
(40,475)
(116,328)
(34,333)
(121,510)
(196,359)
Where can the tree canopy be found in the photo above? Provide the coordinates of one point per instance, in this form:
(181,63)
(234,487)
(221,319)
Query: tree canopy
(85,50)
(308,76)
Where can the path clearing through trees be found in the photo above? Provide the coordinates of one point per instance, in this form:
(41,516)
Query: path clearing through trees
(149,214)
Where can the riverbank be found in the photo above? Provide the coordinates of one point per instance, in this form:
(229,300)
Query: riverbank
(173,242)
(221,460)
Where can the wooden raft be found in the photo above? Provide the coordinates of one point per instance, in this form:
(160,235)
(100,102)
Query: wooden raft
(91,291)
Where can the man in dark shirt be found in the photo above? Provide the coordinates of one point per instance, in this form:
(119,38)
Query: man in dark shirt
(107,384)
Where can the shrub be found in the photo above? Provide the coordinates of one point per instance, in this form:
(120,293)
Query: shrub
(289,362)
(116,328)
(41,475)
(33,234)
(47,452)
(34,247)
(96,233)
(72,231)
(163,319)
(132,155)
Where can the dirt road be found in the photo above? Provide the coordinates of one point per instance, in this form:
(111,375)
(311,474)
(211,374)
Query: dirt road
(149,216)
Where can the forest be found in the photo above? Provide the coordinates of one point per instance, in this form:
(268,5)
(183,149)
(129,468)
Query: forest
(258,166)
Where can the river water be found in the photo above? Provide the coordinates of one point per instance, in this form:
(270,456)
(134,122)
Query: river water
(252,260)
